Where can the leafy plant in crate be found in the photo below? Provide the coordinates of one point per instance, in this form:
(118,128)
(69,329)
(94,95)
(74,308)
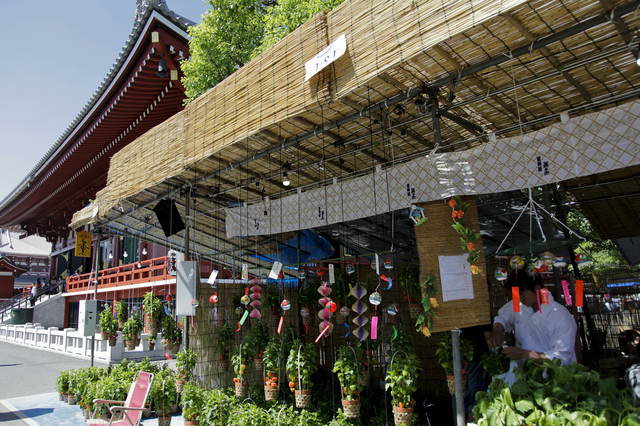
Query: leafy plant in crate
(240,359)
(129,335)
(225,336)
(171,334)
(349,370)
(108,324)
(185,363)
(301,364)
(122,314)
(163,395)
(192,403)
(402,381)
(154,313)
(271,362)
(259,337)
(62,384)
(444,352)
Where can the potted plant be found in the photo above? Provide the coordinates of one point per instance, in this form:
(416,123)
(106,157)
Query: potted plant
(192,403)
(270,302)
(349,370)
(240,359)
(129,335)
(225,336)
(409,278)
(171,334)
(445,358)
(259,337)
(185,363)
(402,381)
(154,313)
(108,326)
(163,395)
(62,384)
(271,362)
(122,314)
(494,363)
(301,364)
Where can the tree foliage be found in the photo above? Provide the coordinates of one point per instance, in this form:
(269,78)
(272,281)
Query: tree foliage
(233,32)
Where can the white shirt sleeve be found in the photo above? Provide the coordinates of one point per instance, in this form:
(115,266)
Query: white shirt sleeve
(562,335)
(506,317)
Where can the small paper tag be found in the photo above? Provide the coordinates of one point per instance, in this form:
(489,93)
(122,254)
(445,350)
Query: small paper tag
(280,324)
(244,317)
(212,277)
(374,328)
(332,279)
(275,270)
(515,293)
(579,293)
(377,264)
(544,295)
(567,294)
(245,271)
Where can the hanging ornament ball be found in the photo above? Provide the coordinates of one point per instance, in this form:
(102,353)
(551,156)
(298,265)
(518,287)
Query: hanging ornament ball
(582,259)
(320,272)
(374,264)
(501,274)
(375,298)
(392,309)
(285,305)
(540,266)
(168,298)
(195,303)
(350,269)
(213,298)
(560,262)
(548,258)
(304,312)
(531,270)
(331,306)
(388,264)
(344,311)
(302,274)
(516,262)
(135,308)
(239,310)
(106,306)
(245,300)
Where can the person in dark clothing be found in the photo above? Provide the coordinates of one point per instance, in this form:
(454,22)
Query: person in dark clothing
(476,379)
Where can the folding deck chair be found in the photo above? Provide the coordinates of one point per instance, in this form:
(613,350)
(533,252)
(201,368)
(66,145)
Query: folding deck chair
(131,408)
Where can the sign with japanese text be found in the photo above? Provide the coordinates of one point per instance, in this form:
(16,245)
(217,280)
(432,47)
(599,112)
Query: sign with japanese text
(83,244)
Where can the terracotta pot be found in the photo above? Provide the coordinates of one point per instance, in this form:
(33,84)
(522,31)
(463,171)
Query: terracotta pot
(258,364)
(61,397)
(365,380)
(451,384)
(129,345)
(308,320)
(164,420)
(303,398)
(402,416)
(414,310)
(191,422)
(104,335)
(112,341)
(136,342)
(152,325)
(242,389)
(270,393)
(71,399)
(146,413)
(223,366)
(351,409)
(152,345)
(179,385)
(173,408)
(65,397)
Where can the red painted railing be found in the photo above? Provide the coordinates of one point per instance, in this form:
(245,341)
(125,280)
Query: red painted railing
(150,270)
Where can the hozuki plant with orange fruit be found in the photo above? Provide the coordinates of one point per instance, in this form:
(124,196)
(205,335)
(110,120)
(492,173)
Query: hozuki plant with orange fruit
(467,236)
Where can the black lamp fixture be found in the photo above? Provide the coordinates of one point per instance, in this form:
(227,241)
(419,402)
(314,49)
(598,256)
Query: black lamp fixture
(285,177)
(163,71)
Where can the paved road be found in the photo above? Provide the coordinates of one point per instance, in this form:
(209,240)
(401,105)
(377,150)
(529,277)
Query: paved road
(25,371)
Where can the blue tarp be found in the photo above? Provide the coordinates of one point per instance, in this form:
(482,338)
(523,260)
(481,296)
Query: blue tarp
(312,247)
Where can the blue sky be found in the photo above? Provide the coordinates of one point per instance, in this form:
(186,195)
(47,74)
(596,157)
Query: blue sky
(55,55)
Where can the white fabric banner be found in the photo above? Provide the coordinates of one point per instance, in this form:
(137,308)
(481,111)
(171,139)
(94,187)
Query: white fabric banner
(585,145)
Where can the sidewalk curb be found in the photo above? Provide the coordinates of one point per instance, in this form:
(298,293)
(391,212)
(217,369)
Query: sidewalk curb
(18,413)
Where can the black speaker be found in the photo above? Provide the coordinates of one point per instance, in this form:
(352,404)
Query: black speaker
(169,217)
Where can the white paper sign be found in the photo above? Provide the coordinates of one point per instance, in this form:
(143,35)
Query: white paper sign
(455,276)
(212,277)
(332,276)
(275,270)
(245,271)
(324,58)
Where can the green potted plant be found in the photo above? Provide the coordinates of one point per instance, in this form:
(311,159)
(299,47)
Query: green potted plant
(402,381)
(185,363)
(270,302)
(163,395)
(171,334)
(62,384)
(241,357)
(409,279)
(225,336)
(271,362)
(122,314)
(494,363)
(192,403)
(349,370)
(129,335)
(301,364)
(108,327)
(154,313)
(259,336)
(444,352)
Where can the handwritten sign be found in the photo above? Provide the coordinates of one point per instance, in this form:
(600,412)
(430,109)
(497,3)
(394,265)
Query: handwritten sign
(326,57)
(83,244)
(455,276)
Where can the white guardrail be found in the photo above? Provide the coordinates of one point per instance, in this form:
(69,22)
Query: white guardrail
(71,342)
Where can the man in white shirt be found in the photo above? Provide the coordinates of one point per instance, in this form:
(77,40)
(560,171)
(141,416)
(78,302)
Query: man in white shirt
(545,331)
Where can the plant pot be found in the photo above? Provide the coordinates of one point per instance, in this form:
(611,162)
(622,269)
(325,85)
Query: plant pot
(351,409)
(121,324)
(402,416)
(270,393)
(65,397)
(258,364)
(303,398)
(146,413)
(223,366)
(168,347)
(129,345)
(152,326)
(179,385)
(71,399)
(112,341)
(308,320)
(414,310)
(164,420)
(365,380)
(174,349)
(104,336)
(191,422)
(173,408)
(136,342)
(61,397)
(451,384)
(152,345)
(242,389)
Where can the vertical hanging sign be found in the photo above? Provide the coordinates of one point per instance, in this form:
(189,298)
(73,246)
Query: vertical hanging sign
(326,57)
(332,277)
(579,293)
(245,271)
(275,270)
(83,244)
